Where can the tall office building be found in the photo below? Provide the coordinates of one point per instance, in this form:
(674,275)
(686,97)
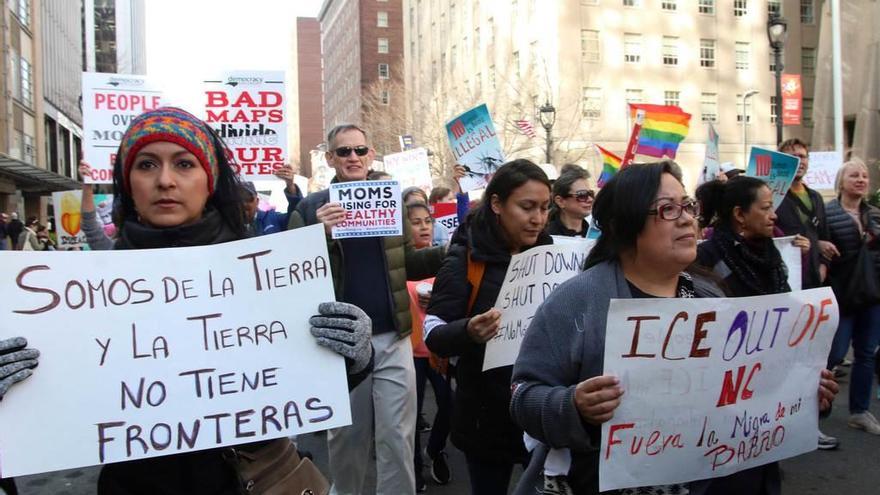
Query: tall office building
(307,119)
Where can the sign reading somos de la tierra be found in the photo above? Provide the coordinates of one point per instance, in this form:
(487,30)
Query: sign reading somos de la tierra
(147,353)
(712,386)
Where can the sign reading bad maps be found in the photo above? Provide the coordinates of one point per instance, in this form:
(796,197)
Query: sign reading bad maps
(247,109)
(712,386)
(157,352)
(372,208)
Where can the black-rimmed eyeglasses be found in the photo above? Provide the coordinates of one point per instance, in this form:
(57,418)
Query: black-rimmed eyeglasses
(673,211)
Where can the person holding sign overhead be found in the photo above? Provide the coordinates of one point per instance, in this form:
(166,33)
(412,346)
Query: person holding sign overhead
(560,395)
(461,318)
(175,187)
(371,273)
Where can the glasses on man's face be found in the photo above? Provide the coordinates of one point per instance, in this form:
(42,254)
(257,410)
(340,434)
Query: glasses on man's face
(583,195)
(673,211)
(344,151)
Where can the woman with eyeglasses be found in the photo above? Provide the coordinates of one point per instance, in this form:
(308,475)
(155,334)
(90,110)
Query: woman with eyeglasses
(560,395)
(572,203)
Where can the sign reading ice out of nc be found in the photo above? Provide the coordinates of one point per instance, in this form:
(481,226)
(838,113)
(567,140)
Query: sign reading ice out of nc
(712,386)
(109,103)
(774,168)
(372,208)
(475,146)
(165,351)
(247,109)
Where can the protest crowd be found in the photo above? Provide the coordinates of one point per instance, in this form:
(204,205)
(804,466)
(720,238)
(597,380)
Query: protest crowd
(421,306)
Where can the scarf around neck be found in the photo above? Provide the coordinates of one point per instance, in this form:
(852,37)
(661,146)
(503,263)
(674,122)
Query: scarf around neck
(211,229)
(756,264)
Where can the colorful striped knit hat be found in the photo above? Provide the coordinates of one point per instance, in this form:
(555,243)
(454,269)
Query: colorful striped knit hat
(172,125)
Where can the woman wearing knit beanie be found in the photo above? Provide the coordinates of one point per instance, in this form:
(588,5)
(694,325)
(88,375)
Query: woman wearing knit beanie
(174,186)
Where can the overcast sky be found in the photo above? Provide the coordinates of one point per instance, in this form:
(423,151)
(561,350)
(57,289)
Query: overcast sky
(188,40)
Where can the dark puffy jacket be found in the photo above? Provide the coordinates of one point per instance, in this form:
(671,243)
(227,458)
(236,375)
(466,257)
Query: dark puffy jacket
(845,235)
(402,260)
(789,220)
(481,423)
(270,222)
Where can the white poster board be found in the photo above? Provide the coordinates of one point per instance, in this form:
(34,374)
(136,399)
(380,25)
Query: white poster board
(167,350)
(411,168)
(530,278)
(109,103)
(791,256)
(372,208)
(823,169)
(712,386)
(248,110)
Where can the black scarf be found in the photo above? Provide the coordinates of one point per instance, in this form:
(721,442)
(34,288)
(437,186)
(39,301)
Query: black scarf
(756,264)
(211,229)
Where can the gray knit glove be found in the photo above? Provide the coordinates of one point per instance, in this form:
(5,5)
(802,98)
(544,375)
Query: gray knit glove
(16,362)
(344,329)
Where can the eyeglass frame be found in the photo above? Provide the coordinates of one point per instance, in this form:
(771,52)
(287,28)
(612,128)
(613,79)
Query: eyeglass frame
(360,150)
(693,203)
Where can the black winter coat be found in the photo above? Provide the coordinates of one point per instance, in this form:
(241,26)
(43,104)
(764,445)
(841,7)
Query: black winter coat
(790,222)
(481,423)
(846,236)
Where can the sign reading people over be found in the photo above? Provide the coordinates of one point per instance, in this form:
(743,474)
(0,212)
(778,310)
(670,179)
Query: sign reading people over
(247,109)
(109,103)
(774,168)
(157,352)
(372,208)
(712,386)
(475,146)
(531,277)
(411,168)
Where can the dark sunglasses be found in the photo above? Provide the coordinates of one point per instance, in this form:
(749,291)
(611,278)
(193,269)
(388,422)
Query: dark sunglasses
(344,151)
(582,195)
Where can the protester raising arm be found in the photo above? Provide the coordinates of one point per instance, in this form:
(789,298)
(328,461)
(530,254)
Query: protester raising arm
(92,226)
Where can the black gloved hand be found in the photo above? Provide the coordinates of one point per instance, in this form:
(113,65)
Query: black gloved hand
(16,362)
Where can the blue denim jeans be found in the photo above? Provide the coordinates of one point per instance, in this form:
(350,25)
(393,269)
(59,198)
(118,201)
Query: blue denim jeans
(862,328)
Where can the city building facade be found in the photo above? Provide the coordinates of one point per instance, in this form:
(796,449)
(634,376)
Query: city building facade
(307,97)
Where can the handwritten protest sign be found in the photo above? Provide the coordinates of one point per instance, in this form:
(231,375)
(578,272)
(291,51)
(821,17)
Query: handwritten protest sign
(531,277)
(156,352)
(410,168)
(372,208)
(713,386)
(823,169)
(248,110)
(109,103)
(475,146)
(791,256)
(774,168)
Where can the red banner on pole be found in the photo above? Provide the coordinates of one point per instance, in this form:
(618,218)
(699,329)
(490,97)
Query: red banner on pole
(633,139)
(792,99)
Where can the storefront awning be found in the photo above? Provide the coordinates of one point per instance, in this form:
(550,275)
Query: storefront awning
(33,179)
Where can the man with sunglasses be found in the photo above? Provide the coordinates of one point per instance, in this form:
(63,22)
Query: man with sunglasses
(803,212)
(371,273)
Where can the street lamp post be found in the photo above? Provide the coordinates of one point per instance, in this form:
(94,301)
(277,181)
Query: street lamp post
(777,32)
(547,114)
(745,120)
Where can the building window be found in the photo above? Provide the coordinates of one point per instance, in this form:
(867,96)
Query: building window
(742,56)
(707,7)
(533,57)
(774,7)
(807,115)
(453,58)
(382,19)
(739,109)
(709,107)
(477,39)
(516,63)
(383,71)
(590,46)
(633,96)
(807,12)
(669,5)
(772,109)
(383,45)
(27,84)
(492,77)
(632,48)
(385,97)
(592,103)
(24,12)
(670,50)
(672,98)
(808,61)
(707,53)
(632,3)
(740,8)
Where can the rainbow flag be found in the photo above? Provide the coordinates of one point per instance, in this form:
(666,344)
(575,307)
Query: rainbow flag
(664,126)
(610,165)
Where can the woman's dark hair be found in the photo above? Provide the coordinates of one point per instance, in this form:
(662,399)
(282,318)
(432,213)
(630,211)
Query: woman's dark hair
(31,221)
(507,179)
(437,194)
(409,191)
(562,186)
(226,198)
(718,199)
(621,207)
